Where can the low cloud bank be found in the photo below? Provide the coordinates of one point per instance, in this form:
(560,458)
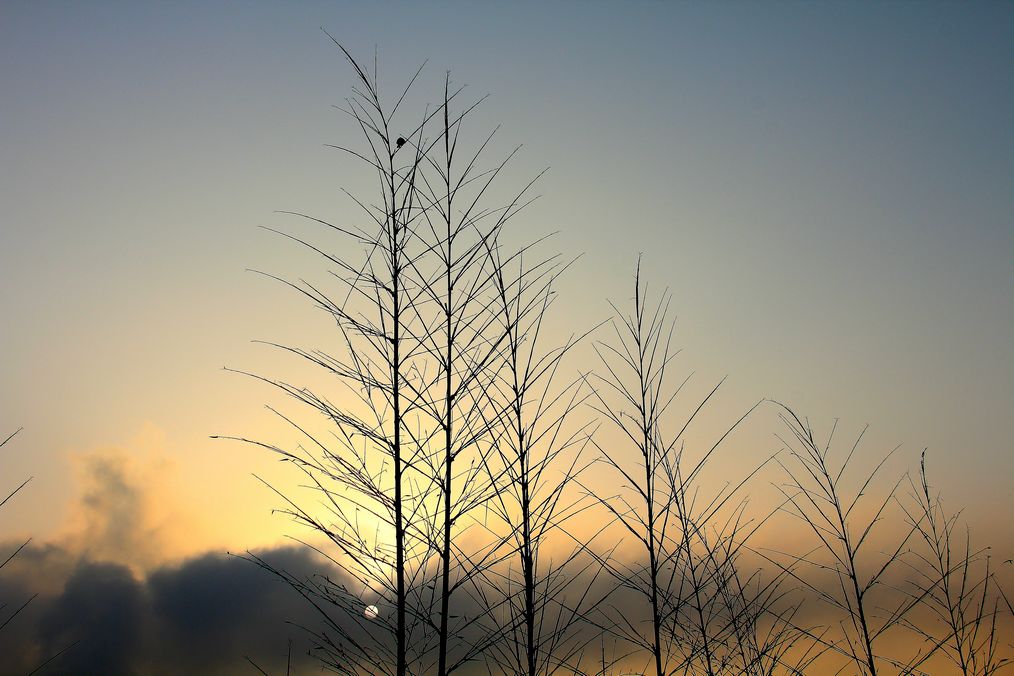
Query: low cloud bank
(206,615)
(112,598)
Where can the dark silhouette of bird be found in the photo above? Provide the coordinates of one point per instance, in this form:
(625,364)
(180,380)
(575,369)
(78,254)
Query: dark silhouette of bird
(400,142)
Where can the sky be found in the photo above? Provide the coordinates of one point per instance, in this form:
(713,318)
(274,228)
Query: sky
(824,187)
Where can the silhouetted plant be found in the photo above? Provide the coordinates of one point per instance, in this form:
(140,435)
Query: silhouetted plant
(426,320)
(956,586)
(458,458)
(539,603)
(369,469)
(473,342)
(705,617)
(4,621)
(817,494)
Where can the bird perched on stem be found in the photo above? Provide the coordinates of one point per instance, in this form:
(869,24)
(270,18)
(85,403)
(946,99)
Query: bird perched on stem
(400,142)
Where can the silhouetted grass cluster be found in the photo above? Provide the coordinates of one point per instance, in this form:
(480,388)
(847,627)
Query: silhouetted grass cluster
(458,463)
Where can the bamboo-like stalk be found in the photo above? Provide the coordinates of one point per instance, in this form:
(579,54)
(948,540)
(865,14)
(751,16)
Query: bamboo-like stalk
(374,313)
(955,586)
(703,618)
(816,495)
(538,460)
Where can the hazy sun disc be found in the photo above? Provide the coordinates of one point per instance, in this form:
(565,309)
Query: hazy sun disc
(371,612)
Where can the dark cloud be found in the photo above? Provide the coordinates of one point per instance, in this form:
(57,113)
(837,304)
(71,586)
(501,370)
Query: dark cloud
(205,615)
(220,608)
(107,604)
(99,614)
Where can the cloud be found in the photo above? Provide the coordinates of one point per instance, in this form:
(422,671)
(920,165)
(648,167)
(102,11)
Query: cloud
(112,512)
(221,608)
(124,512)
(110,601)
(99,616)
(205,615)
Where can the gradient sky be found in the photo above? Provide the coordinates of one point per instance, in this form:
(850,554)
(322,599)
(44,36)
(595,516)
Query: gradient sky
(826,187)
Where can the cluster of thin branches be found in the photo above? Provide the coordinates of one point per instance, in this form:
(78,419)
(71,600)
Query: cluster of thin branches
(956,583)
(707,611)
(8,616)
(451,422)
(891,570)
(454,472)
